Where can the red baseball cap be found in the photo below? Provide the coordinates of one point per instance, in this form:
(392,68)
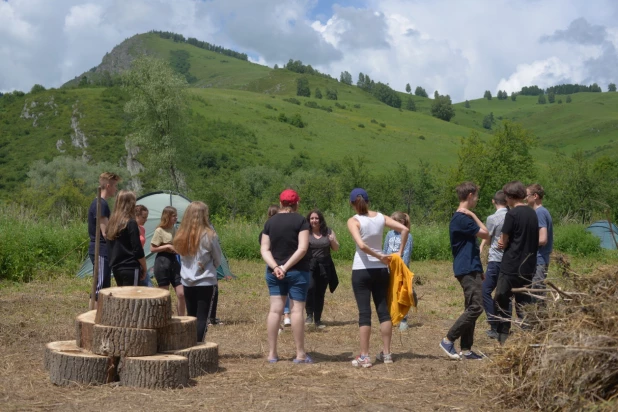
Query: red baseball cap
(289,197)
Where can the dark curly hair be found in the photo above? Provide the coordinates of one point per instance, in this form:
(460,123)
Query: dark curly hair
(323,228)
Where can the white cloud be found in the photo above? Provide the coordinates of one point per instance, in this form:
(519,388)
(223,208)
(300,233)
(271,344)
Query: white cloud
(459,48)
(543,73)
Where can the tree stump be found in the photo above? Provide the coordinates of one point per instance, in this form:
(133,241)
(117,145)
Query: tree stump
(68,364)
(180,333)
(113,341)
(134,307)
(83,329)
(203,358)
(155,372)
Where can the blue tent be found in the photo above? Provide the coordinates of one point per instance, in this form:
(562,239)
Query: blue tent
(600,229)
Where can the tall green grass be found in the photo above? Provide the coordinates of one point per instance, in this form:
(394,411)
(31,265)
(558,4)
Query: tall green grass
(30,246)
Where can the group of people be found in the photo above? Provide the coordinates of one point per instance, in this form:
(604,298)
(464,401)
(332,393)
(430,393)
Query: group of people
(299,266)
(520,239)
(187,258)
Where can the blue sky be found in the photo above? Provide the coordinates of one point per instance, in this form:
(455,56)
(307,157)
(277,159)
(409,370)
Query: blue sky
(457,47)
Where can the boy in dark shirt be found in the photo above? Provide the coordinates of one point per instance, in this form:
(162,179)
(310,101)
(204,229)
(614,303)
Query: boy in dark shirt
(108,182)
(520,241)
(464,228)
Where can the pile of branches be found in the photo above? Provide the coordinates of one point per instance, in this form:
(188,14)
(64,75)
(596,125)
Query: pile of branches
(569,359)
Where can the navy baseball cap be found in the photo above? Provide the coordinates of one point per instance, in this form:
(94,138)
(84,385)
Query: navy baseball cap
(358,192)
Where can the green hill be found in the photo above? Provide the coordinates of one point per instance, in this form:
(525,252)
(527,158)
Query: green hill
(588,123)
(236,112)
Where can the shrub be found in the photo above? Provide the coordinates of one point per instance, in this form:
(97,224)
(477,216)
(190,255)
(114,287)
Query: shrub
(374,121)
(297,121)
(312,105)
(362,126)
(269,106)
(292,100)
(574,240)
(382,124)
(341,106)
(283,118)
(357,106)
(31,245)
(431,242)
(421,137)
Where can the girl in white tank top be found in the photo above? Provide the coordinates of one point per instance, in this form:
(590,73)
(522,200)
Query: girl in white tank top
(371,231)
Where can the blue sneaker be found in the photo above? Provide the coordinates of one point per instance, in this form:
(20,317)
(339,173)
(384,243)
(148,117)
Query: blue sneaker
(449,349)
(469,355)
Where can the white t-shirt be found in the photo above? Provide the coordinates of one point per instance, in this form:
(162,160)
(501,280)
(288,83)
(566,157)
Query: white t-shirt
(371,231)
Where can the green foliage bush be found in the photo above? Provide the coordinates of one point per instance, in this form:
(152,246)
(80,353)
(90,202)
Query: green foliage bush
(31,246)
(292,100)
(573,239)
(431,242)
(362,126)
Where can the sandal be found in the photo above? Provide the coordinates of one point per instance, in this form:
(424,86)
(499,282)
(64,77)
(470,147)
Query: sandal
(306,360)
(275,360)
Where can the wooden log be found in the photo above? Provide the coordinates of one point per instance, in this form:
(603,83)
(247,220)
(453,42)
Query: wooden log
(83,329)
(113,341)
(155,372)
(67,364)
(134,307)
(180,333)
(203,358)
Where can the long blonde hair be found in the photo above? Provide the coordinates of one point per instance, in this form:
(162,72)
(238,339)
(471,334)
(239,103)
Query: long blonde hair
(194,225)
(166,216)
(124,210)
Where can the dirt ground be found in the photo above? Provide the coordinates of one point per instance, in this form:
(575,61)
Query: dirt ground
(421,378)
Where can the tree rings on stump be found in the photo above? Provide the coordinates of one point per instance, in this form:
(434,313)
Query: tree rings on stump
(203,358)
(113,341)
(83,329)
(134,307)
(155,372)
(68,364)
(180,333)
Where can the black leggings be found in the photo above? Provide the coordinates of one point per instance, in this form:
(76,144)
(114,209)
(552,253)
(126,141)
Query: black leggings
(367,283)
(315,295)
(200,301)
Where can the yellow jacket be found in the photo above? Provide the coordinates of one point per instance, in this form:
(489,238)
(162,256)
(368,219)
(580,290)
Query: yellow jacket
(399,298)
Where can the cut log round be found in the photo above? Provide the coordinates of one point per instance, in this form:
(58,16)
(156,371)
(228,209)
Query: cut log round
(155,372)
(68,364)
(203,358)
(180,333)
(113,341)
(83,329)
(134,307)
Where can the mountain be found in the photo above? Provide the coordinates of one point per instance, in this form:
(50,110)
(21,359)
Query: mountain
(237,110)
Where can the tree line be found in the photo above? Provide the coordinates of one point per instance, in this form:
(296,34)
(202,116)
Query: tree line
(179,38)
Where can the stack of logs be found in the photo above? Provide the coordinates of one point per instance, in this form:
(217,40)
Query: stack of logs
(132,338)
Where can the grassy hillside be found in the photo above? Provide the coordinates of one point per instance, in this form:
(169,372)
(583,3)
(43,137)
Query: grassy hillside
(588,123)
(237,108)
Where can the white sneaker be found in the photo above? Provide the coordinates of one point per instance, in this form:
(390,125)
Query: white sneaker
(287,322)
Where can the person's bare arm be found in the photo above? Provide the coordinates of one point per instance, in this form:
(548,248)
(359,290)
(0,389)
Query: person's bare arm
(142,263)
(542,236)
(484,242)
(166,247)
(483,233)
(503,241)
(267,255)
(354,228)
(334,243)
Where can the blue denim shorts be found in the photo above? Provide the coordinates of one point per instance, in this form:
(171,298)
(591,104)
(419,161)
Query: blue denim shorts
(295,284)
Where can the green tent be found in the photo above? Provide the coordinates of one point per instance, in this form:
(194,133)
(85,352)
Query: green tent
(156,202)
(601,229)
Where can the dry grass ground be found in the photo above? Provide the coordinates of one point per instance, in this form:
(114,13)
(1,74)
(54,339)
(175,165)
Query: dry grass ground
(421,378)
